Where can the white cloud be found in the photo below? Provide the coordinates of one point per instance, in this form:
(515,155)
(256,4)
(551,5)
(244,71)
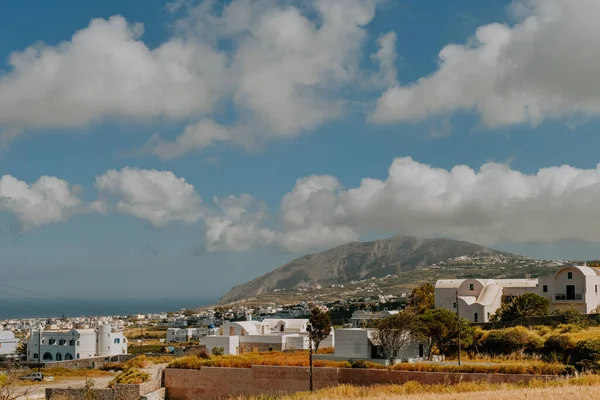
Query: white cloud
(543,67)
(107,71)
(283,71)
(386,58)
(286,71)
(45,201)
(159,197)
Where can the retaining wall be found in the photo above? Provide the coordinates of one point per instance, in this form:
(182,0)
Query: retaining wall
(119,392)
(213,383)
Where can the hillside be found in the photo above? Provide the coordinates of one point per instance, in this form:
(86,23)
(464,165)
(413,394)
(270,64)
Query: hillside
(362,260)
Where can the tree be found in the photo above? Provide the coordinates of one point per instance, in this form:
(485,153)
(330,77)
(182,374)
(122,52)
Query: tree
(421,299)
(440,328)
(9,383)
(525,305)
(394,332)
(318,328)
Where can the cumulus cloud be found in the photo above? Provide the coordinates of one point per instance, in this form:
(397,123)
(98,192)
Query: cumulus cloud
(159,197)
(286,71)
(489,205)
(282,72)
(45,201)
(542,67)
(105,71)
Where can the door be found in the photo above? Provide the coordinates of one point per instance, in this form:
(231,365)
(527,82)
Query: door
(570,292)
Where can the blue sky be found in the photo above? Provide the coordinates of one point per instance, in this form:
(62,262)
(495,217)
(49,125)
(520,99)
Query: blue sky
(279,110)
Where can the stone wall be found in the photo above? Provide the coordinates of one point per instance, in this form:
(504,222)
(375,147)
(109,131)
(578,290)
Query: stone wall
(94,362)
(120,392)
(214,383)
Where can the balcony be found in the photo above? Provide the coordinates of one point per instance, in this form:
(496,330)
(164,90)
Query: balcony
(568,297)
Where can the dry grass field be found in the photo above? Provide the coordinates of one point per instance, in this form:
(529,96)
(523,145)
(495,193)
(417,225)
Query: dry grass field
(582,387)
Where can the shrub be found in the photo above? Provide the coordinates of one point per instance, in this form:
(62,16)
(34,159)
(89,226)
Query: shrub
(572,316)
(504,341)
(586,354)
(130,376)
(358,364)
(218,351)
(536,368)
(558,348)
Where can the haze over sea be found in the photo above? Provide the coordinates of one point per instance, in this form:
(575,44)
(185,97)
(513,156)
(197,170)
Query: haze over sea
(46,308)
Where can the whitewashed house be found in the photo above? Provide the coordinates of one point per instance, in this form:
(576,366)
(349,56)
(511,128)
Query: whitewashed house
(8,343)
(182,335)
(57,345)
(353,344)
(479,299)
(576,286)
(267,335)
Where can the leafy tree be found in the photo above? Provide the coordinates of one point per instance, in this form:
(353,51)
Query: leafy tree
(525,305)
(394,332)
(421,298)
(318,328)
(22,349)
(440,328)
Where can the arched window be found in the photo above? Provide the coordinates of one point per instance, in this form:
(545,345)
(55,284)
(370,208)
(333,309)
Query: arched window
(47,356)
(68,356)
(58,357)
(51,341)
(117,341)
(281,327)
(77,355)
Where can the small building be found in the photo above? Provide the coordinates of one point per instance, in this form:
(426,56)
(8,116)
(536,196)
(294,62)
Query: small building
(576,286)
(57,345)
(266,335)
(360,318)
(8,343)
(353,344)
(479,299)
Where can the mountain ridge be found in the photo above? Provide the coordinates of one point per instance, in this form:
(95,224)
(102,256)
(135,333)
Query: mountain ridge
(356,261)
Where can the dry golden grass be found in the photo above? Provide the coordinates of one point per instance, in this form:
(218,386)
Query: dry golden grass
(578,387)
(291,359)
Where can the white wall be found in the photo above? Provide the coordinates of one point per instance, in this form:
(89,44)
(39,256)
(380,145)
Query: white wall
(8,343)
(352,343)
(230,344)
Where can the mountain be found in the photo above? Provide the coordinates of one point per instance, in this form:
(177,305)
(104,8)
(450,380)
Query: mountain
(360,260)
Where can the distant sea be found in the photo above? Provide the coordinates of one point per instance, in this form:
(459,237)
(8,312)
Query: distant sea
(47,308)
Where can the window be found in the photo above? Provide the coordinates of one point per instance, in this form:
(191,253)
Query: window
(489,315)
(78,343)
(117,341)
(51,341)
(72,342)
(62,342)
(569,275)
(596,288)
(47,356)
(454,305)
(77,355)
(43,341)
(35,355)
(475,317)
(545,288)
(471,286)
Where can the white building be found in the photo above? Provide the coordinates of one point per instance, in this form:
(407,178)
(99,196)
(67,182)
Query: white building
(360,318)
(576,286)
(361,344)
(182,335)
(8,343)
(56,345)
(479,299)
(266,335)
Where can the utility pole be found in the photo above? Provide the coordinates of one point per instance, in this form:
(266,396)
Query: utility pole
(458,319)
(310,362)
(142,339)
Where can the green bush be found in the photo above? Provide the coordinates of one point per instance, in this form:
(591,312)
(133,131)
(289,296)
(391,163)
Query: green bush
(217,351)
(510,340)
(586,354)
(558,348)
(358,364)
